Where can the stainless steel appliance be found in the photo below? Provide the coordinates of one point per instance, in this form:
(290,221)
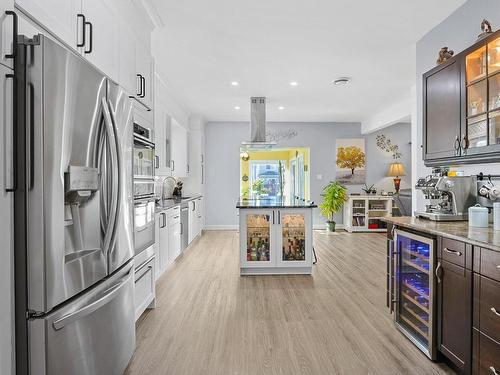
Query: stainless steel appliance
(144,188)
(144,223)
(184,225)
(73,215)
(449,197)
(411,288)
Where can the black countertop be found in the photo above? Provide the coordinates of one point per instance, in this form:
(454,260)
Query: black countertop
(166,204)
(272,203)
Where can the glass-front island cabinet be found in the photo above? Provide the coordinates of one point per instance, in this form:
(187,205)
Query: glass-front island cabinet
(275,238)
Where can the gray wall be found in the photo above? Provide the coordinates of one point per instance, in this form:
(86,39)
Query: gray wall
(458,32)
(222,143)
(377,160)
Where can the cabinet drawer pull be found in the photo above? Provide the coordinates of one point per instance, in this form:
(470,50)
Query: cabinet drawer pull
(452,252)
(494,311)
(494,371)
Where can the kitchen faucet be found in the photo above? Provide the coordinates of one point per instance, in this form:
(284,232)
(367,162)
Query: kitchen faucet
(163,185)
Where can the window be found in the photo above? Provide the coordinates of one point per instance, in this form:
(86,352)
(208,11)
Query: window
(265,178)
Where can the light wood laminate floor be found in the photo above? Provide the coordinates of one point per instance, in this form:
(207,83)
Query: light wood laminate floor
(209,320)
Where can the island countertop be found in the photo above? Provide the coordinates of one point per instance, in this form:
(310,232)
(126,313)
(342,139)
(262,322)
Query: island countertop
(272,203)
(456,230)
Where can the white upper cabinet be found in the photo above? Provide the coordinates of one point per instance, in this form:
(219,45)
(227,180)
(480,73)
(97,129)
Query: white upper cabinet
(7,35)
(101,36)
(162,141)
(114,35)
(126,61)
(144,73)
(179,149)
(58,16)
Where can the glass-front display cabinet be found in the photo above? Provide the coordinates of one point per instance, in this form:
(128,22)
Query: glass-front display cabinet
(276,238)
(482,73)
(257,232)
(295,237)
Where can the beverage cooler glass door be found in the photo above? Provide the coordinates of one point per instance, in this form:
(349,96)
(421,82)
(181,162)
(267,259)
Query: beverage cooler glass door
(294,227)
(415,289)
(257,232)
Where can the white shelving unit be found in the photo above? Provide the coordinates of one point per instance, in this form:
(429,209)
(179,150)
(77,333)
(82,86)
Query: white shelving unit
(363,213)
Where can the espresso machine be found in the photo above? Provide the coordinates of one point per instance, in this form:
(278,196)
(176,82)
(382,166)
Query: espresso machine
(449,196)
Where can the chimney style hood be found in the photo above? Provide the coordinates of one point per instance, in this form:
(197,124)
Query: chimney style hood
(258,124)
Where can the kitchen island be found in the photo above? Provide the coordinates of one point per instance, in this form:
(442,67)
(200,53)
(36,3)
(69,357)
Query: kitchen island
(275,237)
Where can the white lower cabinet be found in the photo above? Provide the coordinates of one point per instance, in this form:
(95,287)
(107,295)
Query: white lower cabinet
(276,241)
(144,287)
(174,233)
(199,215)
(193,218)
(161,243)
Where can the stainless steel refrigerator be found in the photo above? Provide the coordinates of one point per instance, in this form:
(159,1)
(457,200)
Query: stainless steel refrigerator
(73,215)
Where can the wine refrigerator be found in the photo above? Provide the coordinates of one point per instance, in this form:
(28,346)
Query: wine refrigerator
(411,288)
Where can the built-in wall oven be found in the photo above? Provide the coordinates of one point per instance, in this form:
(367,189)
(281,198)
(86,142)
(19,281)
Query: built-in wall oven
(144,196)
(411,287)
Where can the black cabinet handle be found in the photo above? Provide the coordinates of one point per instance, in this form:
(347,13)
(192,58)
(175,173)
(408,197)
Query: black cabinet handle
(157,162)
(13,188)
(82,16)
(143,86)
(14,34)
(91,36)
(139,93)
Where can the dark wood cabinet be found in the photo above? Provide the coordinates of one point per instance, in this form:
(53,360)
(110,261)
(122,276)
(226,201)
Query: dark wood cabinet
(442,115)
(461,107)
(454,312)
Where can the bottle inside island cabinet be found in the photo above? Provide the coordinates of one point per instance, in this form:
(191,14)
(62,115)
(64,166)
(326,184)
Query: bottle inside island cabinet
(258,238)
(276,241)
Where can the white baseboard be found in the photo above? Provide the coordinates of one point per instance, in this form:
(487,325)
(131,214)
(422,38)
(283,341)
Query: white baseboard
(221,227)
(322,226)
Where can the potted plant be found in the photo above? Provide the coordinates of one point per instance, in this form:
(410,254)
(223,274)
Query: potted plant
(334,196)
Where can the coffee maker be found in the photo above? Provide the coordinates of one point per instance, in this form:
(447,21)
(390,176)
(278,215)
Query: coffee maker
(449,196)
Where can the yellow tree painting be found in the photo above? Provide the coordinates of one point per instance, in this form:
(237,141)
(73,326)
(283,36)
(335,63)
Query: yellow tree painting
(351,161)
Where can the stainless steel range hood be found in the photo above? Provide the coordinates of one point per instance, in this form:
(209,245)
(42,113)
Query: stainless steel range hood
(258,125)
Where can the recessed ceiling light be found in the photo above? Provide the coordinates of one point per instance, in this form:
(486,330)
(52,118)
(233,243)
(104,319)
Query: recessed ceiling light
(235,83)
(341,81)
(294,83)
(236,107)
(281,108)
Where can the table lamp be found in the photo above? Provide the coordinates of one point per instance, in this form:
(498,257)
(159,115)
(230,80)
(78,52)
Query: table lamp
(396,170)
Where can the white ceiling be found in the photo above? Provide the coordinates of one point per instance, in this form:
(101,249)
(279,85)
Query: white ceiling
(265,44)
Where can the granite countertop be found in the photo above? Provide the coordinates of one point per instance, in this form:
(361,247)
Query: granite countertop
(457,230)
(166,204)
(272,203)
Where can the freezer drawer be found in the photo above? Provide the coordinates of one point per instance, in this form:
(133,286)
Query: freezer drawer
(94,334)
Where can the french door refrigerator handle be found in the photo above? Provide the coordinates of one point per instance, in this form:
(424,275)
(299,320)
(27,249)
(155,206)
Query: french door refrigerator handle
(108,237)
(110,293)
(13,187)
(31,135)
(14,34)
(117,183)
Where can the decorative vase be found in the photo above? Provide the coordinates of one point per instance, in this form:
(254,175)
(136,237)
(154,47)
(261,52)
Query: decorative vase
(330,226)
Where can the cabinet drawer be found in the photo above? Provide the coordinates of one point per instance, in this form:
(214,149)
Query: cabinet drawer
(144,287)
(487,306)
(486,355)
(487,263)
(454,251)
